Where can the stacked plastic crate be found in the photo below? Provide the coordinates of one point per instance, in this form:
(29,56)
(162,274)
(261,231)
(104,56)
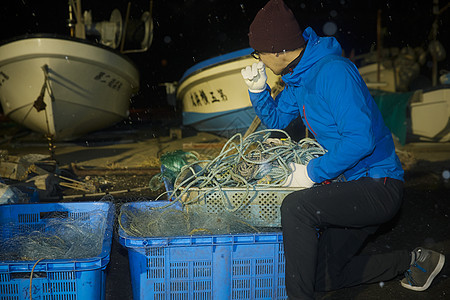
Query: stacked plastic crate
(229,266)
(74,279)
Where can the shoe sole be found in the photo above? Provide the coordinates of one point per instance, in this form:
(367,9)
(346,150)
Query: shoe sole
(430,279)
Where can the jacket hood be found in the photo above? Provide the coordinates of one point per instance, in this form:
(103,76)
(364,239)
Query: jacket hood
(316,48)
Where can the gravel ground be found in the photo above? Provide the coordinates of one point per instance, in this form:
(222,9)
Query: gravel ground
(422,221)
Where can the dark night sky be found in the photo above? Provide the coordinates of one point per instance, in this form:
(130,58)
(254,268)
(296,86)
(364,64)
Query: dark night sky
(189,31)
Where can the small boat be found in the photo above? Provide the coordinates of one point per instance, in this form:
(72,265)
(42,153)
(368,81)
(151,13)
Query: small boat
(215,98)
(378,77)
(67,86)
(64,87)
(430,114)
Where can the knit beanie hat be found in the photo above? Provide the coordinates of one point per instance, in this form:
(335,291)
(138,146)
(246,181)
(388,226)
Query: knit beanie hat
(275,29)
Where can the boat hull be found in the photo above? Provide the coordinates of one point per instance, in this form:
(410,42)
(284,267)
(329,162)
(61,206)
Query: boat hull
(224,123)
(82,87)
(215,97)
(378,77)
(430,114)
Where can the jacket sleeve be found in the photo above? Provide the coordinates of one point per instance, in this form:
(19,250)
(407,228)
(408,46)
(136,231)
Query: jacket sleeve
(342,88)
(275,113)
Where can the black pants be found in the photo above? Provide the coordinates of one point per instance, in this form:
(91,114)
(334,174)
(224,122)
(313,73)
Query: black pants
(324,228)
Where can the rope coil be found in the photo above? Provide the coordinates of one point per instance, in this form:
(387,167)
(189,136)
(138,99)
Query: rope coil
(255,162)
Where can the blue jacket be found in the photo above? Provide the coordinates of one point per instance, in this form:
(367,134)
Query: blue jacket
(334,102)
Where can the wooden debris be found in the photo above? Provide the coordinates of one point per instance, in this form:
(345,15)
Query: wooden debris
(188,146)
(255,123)
(87,171)
(76,185)
(47,185)
(18,168)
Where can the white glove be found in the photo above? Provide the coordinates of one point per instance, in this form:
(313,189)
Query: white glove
(255,77)
(299,177)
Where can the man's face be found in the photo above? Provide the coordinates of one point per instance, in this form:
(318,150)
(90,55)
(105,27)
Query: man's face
(273,61)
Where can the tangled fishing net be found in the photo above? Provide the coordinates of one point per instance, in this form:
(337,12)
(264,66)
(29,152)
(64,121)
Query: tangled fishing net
(58,238)
(143,220)
(257,162)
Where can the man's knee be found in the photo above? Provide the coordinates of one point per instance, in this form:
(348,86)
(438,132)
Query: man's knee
(289,204)
(294,204)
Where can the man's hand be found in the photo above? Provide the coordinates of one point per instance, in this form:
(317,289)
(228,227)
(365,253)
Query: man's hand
(255,77)
(299,177)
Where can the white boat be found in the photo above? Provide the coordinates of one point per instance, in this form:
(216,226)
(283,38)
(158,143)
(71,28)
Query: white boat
(430,114)
(378,77)
(65,87)
(215,97)
(394,72)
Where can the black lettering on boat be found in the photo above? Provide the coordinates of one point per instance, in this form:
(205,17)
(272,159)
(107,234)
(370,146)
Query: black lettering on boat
(107,79)
(3,78)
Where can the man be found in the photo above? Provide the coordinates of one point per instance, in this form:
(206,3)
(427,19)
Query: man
(327,91)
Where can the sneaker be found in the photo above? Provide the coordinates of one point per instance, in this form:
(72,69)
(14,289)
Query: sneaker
(427,264)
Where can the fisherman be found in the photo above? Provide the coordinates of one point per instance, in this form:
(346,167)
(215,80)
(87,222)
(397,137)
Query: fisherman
(325,225)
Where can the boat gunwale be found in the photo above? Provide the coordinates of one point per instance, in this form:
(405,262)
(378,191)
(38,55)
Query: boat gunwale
(215,61)
(56,36)
(80,59)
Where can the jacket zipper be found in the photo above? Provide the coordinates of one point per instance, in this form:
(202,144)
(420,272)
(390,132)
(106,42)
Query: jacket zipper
(307,123)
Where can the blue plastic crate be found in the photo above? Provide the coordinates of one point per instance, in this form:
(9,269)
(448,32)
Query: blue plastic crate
(57,279)
(234,266)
